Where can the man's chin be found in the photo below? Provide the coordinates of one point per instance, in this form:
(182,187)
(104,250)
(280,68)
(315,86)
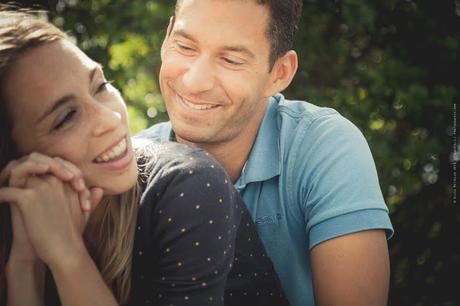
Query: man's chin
(193,139)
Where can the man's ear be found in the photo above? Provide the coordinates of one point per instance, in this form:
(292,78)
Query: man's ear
(170,25)
(282,73)
(168,32)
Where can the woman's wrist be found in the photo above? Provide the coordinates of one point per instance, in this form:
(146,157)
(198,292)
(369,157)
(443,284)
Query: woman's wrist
(24,255)
(70,261)
(18,261)
(25,281)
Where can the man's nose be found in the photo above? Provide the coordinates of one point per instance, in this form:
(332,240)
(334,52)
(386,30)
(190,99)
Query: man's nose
(199,77)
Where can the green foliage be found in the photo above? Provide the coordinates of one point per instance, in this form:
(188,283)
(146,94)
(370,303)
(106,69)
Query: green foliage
(391,67)
(125,37)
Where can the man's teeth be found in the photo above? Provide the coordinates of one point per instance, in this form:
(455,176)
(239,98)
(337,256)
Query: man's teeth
(198,106)
(113,153)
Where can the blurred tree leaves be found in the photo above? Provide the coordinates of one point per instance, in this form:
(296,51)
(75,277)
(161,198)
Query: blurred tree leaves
(125,36)
(392,67)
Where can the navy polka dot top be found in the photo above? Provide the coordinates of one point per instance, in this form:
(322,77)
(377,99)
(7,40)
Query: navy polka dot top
(195,242)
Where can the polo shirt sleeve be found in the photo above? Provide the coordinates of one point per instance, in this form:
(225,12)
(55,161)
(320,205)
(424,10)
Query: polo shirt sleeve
(339,191)
(160,132)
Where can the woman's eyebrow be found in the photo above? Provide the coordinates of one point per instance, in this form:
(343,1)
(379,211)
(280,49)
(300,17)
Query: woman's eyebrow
(93,71)
(67,98)
(60,102)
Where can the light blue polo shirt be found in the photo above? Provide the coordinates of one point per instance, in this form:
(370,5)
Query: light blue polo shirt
(310,177)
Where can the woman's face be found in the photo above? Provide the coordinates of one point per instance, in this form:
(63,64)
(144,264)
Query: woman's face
(61,105)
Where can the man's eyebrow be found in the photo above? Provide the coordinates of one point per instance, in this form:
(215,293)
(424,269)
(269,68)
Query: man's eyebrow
(240,49)
(237,48)
(65,99)
(183,34)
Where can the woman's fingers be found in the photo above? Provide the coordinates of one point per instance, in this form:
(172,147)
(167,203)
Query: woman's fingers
(51,213)
(83,197)
(4,174)
(77,182)
(57,168)
(17,172)
(95,197)
(12,195)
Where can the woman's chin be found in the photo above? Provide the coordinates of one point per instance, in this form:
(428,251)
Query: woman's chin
(118,184)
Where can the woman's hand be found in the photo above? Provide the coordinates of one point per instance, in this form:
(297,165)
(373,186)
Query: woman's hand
(28,254)
(21,248)
(52,217)
(16,174)
(18,171)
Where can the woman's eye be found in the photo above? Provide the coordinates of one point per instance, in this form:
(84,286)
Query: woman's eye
(103,86)
(68,117)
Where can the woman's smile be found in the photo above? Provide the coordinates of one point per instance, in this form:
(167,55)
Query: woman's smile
(83,119)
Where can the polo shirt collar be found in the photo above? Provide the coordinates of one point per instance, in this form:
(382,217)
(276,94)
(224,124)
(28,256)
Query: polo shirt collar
(264,160)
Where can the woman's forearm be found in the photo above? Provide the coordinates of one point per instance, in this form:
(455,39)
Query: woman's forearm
(26,282)
(80,283)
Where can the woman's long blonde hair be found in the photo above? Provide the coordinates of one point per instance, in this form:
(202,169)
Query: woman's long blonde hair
(110,239)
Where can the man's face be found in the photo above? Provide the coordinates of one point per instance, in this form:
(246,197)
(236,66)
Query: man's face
(215,73)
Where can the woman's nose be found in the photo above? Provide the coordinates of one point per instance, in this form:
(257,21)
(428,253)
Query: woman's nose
(106,120)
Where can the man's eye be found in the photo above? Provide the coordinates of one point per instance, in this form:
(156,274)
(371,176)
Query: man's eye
(183,47)
(231,61)
(68,117)
(103,86)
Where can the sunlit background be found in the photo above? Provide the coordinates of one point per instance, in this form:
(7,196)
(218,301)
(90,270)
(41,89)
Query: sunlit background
(392,67)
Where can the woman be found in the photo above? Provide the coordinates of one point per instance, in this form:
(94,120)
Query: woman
(165,231)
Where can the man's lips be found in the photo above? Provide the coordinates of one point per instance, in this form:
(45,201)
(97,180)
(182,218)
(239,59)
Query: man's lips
(196,105)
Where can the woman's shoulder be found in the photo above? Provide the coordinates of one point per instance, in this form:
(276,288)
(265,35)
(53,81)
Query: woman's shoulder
(172,158)
(186,227)
(169,168)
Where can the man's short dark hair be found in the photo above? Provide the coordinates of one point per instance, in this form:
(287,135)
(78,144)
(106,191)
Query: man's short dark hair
(282,27)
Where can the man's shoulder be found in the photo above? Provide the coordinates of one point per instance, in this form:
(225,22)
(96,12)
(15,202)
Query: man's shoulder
(306,121)
(302,110)
(160,132)
(160,154)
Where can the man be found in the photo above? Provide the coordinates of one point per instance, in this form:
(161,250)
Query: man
(305,173)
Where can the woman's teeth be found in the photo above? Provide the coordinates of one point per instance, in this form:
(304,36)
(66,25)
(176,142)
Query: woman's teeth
(113,153)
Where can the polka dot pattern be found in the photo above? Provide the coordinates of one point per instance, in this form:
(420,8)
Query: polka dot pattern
(252,280)
(195,243)
(188,225)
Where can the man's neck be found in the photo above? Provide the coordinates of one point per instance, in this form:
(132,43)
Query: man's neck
(232,154)
(231,159)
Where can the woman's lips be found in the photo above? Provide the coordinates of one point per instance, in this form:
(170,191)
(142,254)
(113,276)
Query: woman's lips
(117,158)
(114,153)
